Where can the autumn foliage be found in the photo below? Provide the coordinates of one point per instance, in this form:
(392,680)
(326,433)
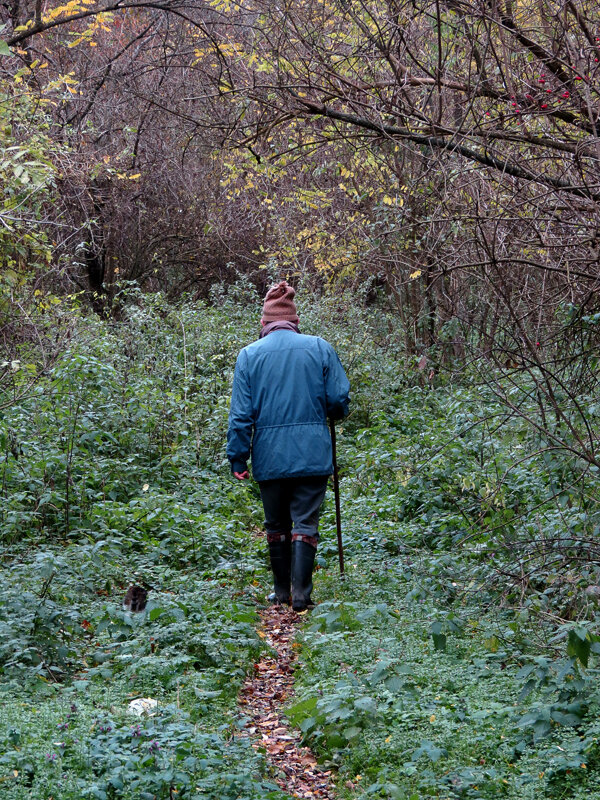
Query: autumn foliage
(446,151)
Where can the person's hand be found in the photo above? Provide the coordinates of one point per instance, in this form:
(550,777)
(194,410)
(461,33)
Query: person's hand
(242,476)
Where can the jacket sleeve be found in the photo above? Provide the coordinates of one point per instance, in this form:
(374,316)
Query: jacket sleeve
(337,386)
(239,434)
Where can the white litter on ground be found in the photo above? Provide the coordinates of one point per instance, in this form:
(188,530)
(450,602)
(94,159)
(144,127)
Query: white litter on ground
(143,705)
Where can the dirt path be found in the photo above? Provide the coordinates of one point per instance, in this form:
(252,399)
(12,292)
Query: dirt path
(263,695)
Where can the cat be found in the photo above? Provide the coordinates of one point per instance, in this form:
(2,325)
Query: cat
(135,598)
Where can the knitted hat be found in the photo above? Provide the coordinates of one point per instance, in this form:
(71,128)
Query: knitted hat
(279,304)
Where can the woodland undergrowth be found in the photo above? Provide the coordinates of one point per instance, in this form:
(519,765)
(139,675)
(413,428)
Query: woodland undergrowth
(458,658)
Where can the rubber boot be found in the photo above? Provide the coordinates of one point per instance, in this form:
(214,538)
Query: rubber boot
(280,554)
(303,559)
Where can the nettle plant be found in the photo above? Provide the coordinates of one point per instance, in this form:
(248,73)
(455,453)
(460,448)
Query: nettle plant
(168,755)
(119,757)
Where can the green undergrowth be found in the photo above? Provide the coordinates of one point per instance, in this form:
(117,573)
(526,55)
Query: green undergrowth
(459,656)
(73,659)
(458,659)
(113,474)
(413,700)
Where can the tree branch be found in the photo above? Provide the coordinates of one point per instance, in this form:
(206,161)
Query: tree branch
(439,143)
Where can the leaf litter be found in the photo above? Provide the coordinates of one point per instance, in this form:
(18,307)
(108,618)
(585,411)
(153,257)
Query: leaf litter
(262,698)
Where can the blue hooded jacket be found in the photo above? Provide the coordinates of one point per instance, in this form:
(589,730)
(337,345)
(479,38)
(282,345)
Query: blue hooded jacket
(284,387)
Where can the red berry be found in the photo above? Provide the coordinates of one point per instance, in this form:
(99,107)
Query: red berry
(544,105)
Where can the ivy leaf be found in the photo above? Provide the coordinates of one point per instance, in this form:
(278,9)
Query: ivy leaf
(429,749)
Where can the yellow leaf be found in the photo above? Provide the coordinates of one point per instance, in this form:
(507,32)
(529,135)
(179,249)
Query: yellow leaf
(135,177)
(416,274)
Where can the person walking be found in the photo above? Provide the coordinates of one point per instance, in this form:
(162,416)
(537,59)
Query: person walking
(285,386)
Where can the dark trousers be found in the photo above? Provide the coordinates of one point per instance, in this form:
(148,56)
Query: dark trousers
(293,504)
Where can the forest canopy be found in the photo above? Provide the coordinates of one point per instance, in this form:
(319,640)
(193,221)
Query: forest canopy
(449,150)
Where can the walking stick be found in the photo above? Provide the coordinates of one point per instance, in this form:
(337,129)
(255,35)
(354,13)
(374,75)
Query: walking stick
(336,491)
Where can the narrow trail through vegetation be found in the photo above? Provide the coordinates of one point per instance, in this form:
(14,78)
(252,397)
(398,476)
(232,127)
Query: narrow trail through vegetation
(262,699)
